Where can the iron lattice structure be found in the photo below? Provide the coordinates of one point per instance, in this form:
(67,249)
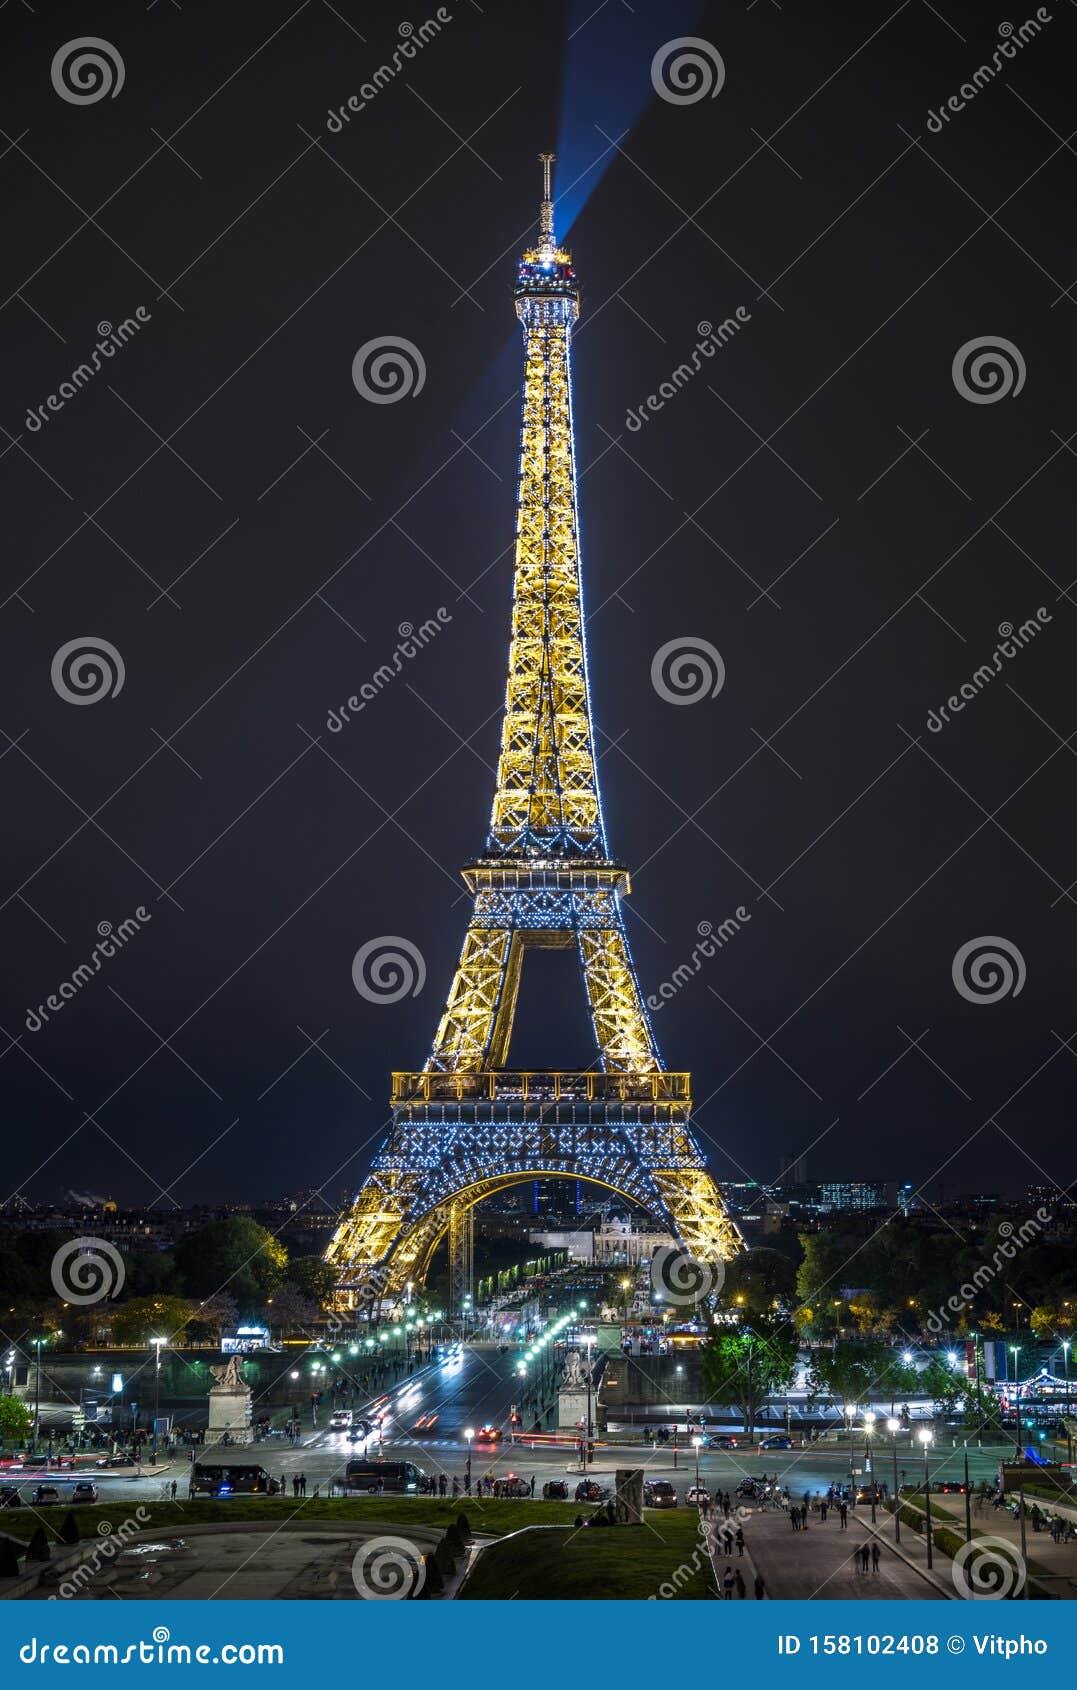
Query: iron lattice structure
(465,1127)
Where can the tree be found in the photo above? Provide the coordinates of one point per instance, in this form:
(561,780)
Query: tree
(211,1316)
(745,1366)
(134,1323)
(759,1279)
(313,1278)
(848,1373)
(288,1309)
(16,1422)
(234,1255)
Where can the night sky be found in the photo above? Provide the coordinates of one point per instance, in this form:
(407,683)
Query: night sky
(821,504)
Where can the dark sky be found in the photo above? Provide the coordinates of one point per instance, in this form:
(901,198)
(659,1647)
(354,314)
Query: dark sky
(820,504)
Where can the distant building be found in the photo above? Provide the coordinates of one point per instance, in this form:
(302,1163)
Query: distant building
(855,1195)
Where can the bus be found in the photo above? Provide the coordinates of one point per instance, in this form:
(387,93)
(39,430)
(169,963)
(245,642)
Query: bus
(235,1479)
(388,1476)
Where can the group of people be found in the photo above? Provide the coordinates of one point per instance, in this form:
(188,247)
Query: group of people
(733,1584)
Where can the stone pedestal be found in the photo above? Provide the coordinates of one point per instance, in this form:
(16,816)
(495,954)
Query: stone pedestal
(628,1497)
(229,1407)
(572,1409)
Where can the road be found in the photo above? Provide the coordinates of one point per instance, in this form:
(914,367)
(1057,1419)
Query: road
(426,1418)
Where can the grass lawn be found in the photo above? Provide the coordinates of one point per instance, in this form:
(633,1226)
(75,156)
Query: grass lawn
(486,1518)
(662,1558)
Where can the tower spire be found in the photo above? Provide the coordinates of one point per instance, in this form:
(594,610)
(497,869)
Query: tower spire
(546,233)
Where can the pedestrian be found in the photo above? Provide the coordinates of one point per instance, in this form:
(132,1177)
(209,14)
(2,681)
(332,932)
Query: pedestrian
(172,1490)
(760,1587)
(455,1487)
(864,1557)
(843,1514)
(822,1512)
(443,1484)
(295,1484)
(742,1589)
(740,1540)
(727,1585)
(876,1553)
(794,1519)
(532,1485)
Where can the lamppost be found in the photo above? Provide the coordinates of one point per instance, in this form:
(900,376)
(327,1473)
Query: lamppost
(698,1444)
(469,1433)
(156,1342)
(37,1393)
(892,1427)
(869,1465)
(925,1439)
(1015,1350)
(626,1286)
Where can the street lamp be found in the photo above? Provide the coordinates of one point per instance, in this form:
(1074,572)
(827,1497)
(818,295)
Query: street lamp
(156,1342)
(698,1444)
(869,1465)
(892,1427)
(626,1286)
(1015,1350)
(925,1439)
(469,1433)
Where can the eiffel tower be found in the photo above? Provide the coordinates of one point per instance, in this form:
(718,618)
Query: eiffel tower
(466,1127)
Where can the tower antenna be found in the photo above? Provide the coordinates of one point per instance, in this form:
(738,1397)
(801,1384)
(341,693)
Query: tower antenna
(546,209)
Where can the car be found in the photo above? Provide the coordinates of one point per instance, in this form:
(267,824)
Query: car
(488,1434)
(950,1487)
(45,1496)
(340,1420)
(589,1491)
(9,1497)
(512,1485)
(722,1440)
(659,1493)
(555,1490)
(778,1441)
(84,1490)
(116,1461)
(749,1487)
(699,1494)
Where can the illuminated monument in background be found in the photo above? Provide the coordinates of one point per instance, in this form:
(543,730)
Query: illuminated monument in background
(466,1127)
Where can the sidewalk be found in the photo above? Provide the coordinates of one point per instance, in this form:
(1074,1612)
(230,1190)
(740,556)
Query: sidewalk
(1053,1565)
(819,1563)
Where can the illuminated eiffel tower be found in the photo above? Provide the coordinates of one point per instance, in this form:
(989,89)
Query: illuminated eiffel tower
(465,1127)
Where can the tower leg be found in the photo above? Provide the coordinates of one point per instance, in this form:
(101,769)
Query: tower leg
(461,1255)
